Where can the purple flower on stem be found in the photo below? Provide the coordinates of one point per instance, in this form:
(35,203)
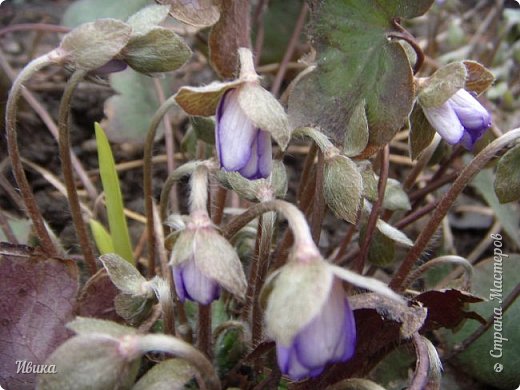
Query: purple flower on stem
(330,337)
(461,119)
(192,284)
(241,146)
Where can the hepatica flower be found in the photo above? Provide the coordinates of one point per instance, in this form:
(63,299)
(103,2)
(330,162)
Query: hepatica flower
(460,120)
(330,337)
(310,319)
(241,146)
(247,117)
(203,262)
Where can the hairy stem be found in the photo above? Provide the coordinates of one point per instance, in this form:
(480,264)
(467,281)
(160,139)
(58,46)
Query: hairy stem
(16,161)
(374,214)
(176,347)
(68,174)
(445,203)
(147,179)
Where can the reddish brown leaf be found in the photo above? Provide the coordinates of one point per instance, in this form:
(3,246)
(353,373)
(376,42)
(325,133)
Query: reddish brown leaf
(446,308)
(37,298)
(230,33)
(97,298)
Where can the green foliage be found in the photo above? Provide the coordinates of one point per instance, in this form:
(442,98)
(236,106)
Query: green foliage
(102,237)
(113,197)
(83,11)
(357,62)
(476,359)
(507,181)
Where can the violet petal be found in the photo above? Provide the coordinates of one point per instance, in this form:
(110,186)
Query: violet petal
(235,133)
(445,121)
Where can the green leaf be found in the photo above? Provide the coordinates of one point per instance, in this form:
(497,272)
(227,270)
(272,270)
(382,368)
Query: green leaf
(443,84)
(499,273)
(83,11)
(86,325)
(159,50)
(358,61)
(507,180)
(101,237)
(21,228)
(114,199)
(505,213)
(128,113)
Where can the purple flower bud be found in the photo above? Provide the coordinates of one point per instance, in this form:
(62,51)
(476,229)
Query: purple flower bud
(241,146)
(191,283)
(330,337)
(461,119)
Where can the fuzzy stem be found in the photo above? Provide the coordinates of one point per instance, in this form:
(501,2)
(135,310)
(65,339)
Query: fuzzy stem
(168,344)
(263,260)
(467,174)
(422,366)
(199,190)
(68,174)
(175,176)
(147,179)
(12,146)
(204,330)
(302,235)
(374,214)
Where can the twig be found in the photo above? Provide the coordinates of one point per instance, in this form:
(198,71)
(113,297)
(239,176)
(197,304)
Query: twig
(277,83)
(445,203)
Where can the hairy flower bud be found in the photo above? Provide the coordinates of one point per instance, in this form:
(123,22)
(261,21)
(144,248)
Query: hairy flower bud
(241,146)
(203,262)
(309,317)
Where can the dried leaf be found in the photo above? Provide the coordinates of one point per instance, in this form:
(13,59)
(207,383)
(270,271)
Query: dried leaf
(229,34)
(203,101)
(198,13)
(446,308)
(478,78)
(97,298)
(37,299)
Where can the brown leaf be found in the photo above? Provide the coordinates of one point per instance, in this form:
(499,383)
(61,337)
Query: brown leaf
(230,33)
(478,78)
(446,308)
(97,298)
(198,13)
(37,299)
